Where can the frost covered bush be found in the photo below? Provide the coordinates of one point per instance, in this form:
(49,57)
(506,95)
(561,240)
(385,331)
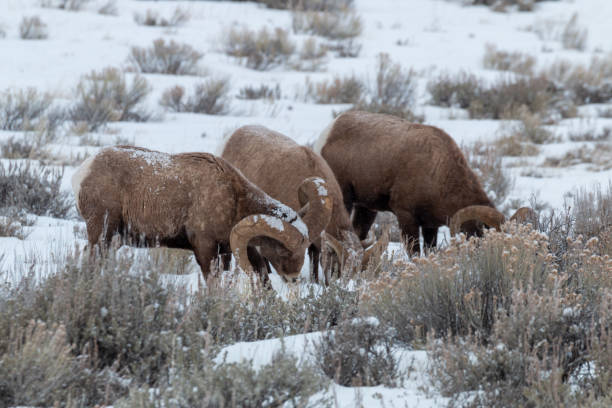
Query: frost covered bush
(503,99)
(105,96)
(161,58)
(28,109)
(486,161)
(311,56)
(284,381)
(502,5)
(393,91)
(251,92)
(337,25)
(573,36)
(12,222)
(348,89)
(153,18)
(261,50)
(597,157)
(358,353)
(109,8)
(581,83)
(210,97)
(71,5)
(33,28)
(508,61)
(38,368)
(33,189)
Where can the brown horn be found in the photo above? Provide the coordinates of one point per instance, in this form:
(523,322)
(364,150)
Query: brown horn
(335,245)
(377,249)
(523,215)
(263,225)
(316,206)
(485,214)
(369,239)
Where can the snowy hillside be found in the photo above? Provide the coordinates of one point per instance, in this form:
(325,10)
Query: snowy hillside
(454,66)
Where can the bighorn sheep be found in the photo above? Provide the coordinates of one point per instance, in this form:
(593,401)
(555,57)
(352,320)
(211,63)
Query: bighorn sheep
(418,172)
(193,201)
(277,165)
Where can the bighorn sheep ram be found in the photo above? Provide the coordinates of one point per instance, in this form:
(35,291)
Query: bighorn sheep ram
(418,172)
(277,165)
(193,201)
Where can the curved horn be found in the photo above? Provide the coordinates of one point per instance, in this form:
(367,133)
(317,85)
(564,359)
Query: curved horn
(485,214)
(377,249)
(524,214)
(263,225)
(369,239)
(335,245)
(316,206)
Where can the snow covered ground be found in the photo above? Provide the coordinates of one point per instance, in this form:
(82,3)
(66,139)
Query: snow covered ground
(430,36)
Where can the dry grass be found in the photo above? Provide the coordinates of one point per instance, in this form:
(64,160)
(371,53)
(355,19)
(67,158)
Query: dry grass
(338,26)
(251,92)
(29,110)
(33,28)
(161,58)
(210,97)
(105,96)
(598,157)
(261,50)
(573,36)
(348,89)
(311,56)
(486,161)
(153,19)
(518,62)
(109,8)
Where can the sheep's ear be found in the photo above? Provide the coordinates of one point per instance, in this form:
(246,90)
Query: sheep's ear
(523,215)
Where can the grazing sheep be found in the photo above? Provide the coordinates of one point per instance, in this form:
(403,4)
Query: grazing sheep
(384,163)
(277,165)
(190,200)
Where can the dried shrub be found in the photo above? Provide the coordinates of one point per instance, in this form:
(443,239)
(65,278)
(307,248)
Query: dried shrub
(34,189)
(503,99)
(152,18)
(311,56)
(33,28)
(597,157)
(486,161)
(590,135)
(261,50)
(358,353)
(344,49)
(508,61)
(573,36)
(348,89)
(459,290)
(38,368)
(338,26)
(161,58)
(12,223)
(502,5)
(109,8)
(105,96)
(71,5)
(28,109)
(393,92)
(284,380)
(583,84)
(210,97)
(458,91)
(513,145)
(264,91)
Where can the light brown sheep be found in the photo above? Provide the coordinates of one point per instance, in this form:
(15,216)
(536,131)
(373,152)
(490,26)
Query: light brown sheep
(384,163)
(191,200)
(277,165)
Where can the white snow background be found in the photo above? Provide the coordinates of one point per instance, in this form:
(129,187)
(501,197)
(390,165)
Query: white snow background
(430,36)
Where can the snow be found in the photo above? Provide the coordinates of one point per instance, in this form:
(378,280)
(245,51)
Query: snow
(430,36)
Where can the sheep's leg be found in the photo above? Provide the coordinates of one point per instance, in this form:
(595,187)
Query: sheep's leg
(314,254)
(101,227)
(260,265)
(205,250)
(410,230)
(430,236)
(363,218)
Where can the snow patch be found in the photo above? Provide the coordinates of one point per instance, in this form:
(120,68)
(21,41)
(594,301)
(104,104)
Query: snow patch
(323,137)
(274,222)
(78,177)
(156,159)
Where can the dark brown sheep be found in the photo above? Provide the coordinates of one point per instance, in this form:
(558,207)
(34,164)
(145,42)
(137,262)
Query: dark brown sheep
(277,165)
(384,163)
(191,200)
